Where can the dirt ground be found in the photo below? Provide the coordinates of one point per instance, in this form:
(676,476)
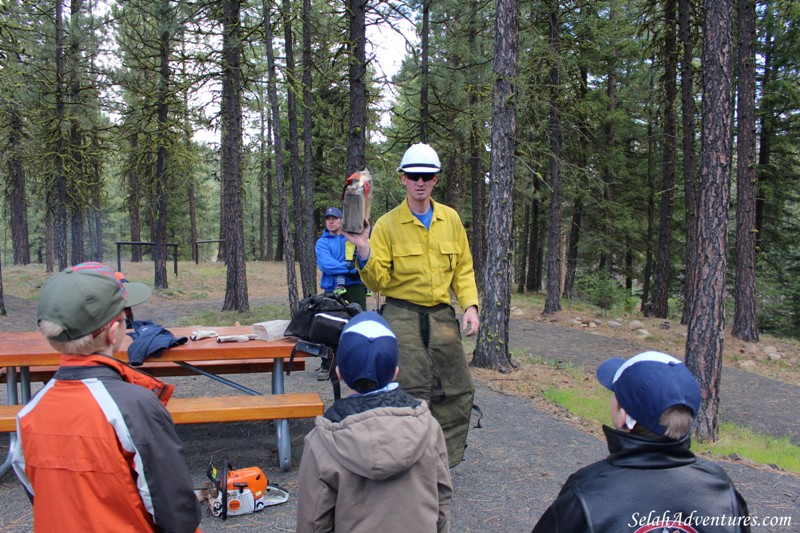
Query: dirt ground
(516,463)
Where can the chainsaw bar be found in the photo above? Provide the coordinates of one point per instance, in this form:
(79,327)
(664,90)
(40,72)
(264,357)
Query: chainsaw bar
(275,496)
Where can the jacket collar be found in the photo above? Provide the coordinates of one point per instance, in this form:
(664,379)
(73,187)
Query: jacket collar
(407,217)
(70,365)
(631,451)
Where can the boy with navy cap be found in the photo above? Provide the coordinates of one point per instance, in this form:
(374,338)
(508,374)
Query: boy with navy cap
(651,481)
(375,453)
(96,449)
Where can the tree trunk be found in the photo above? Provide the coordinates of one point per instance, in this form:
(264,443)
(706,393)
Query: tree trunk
(424,109)
(286,233)
(745,321)
(491,350)
(533,283)
(133,200)
(356,132)
(2,302)
(553,302)
(689,171)
(76,167)
(572,246)
(231,169)
(651,209)
(96,216)
(262,173)
(476,172)
(308,277)
(609,174)
(270,226)
(161,188)
(704,342)
(17,193)
(663,277)
(522,254)
(308,154)
(768,126)
(57,195)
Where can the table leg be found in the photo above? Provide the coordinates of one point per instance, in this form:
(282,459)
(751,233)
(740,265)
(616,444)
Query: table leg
(11,382)
(284,440)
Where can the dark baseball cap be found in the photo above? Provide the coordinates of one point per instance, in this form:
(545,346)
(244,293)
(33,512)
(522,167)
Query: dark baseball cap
(85,297)
(648,384)
(333,212)
(367,350)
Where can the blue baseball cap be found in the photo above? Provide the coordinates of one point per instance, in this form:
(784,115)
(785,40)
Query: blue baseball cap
(367,350)
(333,212)
(648,384)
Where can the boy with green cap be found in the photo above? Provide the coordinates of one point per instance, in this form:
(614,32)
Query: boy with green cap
(96,449)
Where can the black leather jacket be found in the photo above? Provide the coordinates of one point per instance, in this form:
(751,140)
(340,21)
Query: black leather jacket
(643,482)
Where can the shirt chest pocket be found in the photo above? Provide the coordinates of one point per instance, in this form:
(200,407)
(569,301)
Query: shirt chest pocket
(407,258)
(448,255)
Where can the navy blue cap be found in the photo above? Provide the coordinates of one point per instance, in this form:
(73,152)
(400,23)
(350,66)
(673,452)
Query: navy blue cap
(367,350)
(333,212)
(648,384)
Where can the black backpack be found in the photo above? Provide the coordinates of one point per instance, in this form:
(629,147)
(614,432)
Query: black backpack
(320,318)
(318,323)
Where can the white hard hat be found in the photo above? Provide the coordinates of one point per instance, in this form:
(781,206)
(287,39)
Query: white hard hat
(420,158)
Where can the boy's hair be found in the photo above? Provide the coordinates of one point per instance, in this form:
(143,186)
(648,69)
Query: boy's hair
(86,345)
(677,420)
(648,385)
(364,385)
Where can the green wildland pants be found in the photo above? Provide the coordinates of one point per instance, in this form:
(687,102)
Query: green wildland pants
(433,367)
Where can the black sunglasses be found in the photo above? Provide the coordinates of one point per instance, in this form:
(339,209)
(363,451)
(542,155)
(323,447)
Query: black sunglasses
(417,177)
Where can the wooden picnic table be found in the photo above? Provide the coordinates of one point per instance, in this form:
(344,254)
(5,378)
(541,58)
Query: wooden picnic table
(19,351)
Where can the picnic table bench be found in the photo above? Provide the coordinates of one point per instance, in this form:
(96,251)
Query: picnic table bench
(27,357)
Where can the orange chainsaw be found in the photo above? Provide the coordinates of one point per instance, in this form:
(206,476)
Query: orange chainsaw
(243,491)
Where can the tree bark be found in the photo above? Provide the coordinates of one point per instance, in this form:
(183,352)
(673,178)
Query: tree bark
(2,302)
(17,192)
(424,107)
(689,170)
(356,131)
(554,266)
(231,169)
(491,350)
(161,187)
(308,279)
(533,281)
(133,200)
(308,153)
(745,320)
(663,275)
(704,342)
(572,246)
(57,194)
(286,233)
(476,169)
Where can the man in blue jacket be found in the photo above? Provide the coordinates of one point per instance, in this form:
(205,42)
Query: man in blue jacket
(335,260)
(335,256)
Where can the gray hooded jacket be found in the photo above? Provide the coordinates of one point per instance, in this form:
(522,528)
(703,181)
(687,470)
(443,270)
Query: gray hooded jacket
(381,467)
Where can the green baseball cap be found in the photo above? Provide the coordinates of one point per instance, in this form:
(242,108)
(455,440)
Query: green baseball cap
(85,297)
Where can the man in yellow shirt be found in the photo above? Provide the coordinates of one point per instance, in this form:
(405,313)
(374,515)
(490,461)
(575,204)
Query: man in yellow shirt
(415,255)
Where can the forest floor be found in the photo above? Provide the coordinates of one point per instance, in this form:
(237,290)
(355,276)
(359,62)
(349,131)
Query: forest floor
(527,447)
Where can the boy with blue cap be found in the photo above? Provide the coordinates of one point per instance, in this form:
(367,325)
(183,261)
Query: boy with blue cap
(376,453)
(96,449)
(651,481)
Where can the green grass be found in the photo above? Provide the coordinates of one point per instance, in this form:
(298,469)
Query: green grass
(591,403)
(229,318)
